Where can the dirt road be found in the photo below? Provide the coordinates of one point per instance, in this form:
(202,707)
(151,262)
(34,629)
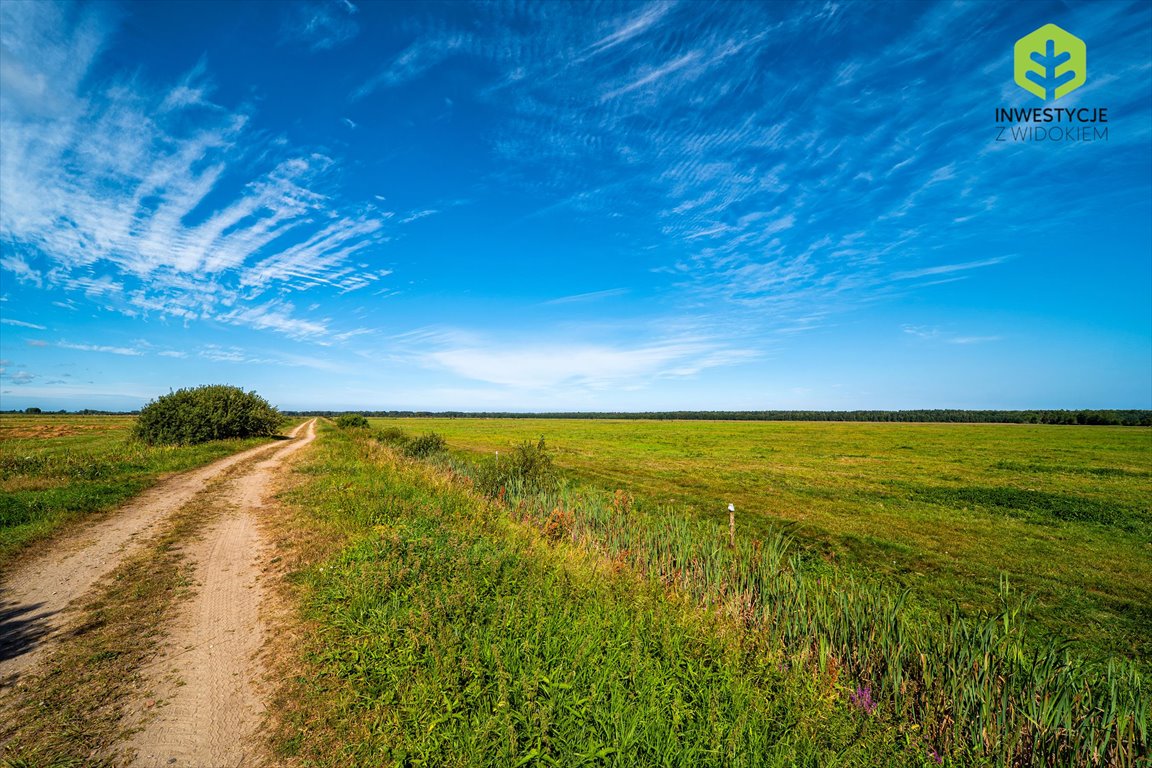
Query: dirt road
(205,677)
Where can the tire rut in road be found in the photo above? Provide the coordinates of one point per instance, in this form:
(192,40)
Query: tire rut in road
(36,597)
(207,705)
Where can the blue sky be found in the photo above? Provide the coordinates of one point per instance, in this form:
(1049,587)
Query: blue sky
(569,206)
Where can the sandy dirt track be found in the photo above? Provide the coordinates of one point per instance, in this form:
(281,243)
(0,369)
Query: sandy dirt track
(208,706)
(207,667)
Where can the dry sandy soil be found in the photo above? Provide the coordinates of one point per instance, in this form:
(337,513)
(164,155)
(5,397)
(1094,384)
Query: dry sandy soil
(205,707)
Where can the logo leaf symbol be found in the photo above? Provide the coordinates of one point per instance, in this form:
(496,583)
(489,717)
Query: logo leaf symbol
(1050,62)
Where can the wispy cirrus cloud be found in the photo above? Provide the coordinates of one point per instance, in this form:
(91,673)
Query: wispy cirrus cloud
(947,269)
(276,316)
(581,298)
(156,200)
(632,26)
(112,350)
(823,193)
(932,333)
(412,62)
(526,364)
(973,339)
(321,24)
(21,324)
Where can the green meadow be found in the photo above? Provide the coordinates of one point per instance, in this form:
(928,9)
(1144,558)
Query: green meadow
(57,470)
(465,610)
(448,633)
(942,509)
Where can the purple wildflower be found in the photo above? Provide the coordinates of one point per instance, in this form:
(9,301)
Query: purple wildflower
(863,699)
(935,756)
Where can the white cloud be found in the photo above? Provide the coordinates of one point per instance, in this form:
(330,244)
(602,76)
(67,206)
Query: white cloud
(21,324)
(18,266)
(413,62)
(652,75)
(126,351)
(648,17)
(278,317)
(973,339)
(595,366)
(945,269)
(931,333)
(321,25)
(581,298)
(111,190)
(417,215)
(219,354)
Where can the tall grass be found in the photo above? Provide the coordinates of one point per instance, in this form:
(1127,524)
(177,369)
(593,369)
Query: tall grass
(974,687)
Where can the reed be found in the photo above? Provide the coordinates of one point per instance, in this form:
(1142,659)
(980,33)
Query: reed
(971,686)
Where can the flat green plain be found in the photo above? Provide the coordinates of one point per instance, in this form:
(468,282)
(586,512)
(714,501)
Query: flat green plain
(942,509)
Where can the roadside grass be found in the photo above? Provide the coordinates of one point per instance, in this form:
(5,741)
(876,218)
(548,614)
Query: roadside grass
(444,632)
(55,470)
(941,509)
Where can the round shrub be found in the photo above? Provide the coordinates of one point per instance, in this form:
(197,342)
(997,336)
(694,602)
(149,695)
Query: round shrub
(351,421)
(424,446)
(210,412)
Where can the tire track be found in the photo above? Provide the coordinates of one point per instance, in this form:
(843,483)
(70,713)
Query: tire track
(36,597)
(207,707)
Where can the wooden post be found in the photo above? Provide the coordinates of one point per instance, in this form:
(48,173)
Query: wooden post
(732,525)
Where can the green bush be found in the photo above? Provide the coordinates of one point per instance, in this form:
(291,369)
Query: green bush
(200,414)
(527,469)
(392,436)
(351,421)
(424,446)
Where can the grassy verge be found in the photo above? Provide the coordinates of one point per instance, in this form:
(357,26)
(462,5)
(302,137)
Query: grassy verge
(940,509)
(56,470)
(444,632)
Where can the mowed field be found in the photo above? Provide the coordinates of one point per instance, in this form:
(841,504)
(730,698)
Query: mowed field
(941,508)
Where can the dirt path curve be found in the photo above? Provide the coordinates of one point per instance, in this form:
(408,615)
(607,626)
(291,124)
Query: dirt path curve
(207,702)
(35,597)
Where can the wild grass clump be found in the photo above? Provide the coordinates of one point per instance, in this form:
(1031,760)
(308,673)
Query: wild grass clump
(201,414)
(526,469)
(351,421)
(391,436)
(424,446)
(419,447)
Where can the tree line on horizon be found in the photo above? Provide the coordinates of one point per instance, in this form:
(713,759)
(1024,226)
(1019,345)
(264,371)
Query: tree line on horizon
(1127,418)
(1089,417)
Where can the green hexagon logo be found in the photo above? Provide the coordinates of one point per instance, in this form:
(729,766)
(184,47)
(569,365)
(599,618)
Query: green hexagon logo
(1050,62)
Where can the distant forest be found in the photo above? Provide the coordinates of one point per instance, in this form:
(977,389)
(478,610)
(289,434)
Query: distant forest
(1130,418)
(1093,417)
